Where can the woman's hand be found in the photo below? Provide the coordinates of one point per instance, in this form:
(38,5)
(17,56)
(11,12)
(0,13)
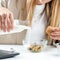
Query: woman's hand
(55,34)
(6,19)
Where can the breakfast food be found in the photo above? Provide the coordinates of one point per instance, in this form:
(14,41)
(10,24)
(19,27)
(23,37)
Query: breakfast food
(35,48)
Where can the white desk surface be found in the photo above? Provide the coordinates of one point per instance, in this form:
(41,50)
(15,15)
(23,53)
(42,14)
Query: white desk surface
(47,54)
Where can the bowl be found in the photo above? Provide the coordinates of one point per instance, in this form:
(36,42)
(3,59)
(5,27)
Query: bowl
(36,47)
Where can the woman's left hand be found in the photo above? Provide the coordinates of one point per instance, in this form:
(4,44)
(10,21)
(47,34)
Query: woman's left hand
(55,34)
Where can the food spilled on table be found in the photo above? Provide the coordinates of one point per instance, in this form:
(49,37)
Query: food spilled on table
(35,48)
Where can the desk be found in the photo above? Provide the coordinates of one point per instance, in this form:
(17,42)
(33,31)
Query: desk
(47,54)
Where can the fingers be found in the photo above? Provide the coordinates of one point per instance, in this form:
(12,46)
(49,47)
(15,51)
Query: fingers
(0,21)
(11,20)
(3,22)
(55,38)
(55,32)
(6,22)
(56,29)
(55,35)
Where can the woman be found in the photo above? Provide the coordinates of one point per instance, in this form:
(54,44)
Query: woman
(41,17)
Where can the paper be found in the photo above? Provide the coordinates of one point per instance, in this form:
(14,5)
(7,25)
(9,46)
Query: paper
(17,29)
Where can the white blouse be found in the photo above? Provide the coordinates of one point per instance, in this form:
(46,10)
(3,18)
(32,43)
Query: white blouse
(37,32)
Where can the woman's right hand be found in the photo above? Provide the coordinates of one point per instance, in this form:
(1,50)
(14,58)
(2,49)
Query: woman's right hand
(6,19)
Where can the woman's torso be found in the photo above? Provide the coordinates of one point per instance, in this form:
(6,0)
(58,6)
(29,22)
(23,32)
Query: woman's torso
(37,32)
